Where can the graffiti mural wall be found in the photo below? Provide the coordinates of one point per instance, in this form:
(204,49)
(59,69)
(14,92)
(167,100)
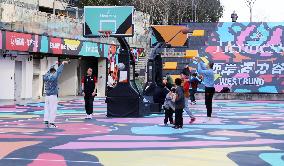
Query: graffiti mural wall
(248,57)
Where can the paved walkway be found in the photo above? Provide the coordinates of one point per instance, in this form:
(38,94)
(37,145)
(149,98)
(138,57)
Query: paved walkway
(242,133)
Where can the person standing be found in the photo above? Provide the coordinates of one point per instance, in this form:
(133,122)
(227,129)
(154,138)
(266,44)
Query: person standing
(179,104)
(89,91)
(208,80)
(169,83)
(51,89)
(186,71)
(110,82)
(194,82)
(186,86)
(169,107)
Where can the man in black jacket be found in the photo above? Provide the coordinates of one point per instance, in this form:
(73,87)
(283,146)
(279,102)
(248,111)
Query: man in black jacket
(89,92)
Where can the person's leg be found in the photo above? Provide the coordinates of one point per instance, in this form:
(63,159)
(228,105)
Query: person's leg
(91,105)
(46,110)
(178,118)
(181,119)
(53,109)
(171,116)
(89,108)
(186,108)
(166,116)
(191,95)
(210,101)
(86,98)
(207,100)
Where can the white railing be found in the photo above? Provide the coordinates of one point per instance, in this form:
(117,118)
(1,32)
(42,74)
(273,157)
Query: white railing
(21,19)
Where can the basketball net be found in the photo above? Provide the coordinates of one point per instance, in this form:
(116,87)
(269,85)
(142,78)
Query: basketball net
(105,36)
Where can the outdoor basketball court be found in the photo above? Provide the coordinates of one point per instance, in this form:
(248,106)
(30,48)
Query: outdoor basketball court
(242,133)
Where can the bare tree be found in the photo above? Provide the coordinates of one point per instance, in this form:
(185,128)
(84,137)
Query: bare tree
(170,12)
(250,5)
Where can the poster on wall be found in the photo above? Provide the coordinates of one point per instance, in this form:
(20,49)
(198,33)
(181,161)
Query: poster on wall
(21,42)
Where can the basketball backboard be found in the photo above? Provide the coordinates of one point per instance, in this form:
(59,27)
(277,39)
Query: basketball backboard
(170,34)
(117,19)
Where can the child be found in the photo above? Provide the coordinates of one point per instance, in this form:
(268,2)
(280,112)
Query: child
(169,106)
(179,104)
(194,85)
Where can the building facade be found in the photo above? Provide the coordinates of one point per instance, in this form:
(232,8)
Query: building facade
(33,38)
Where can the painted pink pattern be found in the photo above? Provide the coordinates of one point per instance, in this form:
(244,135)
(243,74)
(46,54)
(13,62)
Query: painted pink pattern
(242,37)
(241,75)
(276,37)
(217,55)
(49,159)
(266,54)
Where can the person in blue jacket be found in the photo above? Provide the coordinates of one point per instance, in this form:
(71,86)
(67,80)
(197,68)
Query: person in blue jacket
(208,80)
(51,89)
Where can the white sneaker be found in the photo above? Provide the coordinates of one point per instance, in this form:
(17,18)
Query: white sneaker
(52,125)
(91,116)
(207,120)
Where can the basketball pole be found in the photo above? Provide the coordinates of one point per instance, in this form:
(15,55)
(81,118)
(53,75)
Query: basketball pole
(124,100)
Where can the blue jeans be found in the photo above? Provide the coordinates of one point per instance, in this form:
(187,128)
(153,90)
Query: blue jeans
(186,108)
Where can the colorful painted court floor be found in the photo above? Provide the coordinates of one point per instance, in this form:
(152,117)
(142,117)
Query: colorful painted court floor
(242,133)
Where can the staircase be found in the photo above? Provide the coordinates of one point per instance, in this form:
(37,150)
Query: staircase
(141,64)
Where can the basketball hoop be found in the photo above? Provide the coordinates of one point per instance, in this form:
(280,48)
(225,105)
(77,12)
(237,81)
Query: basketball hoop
(104,36)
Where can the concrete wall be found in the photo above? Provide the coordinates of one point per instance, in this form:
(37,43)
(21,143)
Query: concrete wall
(49,4)
(27,78)
(7,70)
(102,77)
(68,82)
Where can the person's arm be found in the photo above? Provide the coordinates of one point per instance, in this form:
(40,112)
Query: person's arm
(45,77)
(199,81)
(59,71)
(202,69)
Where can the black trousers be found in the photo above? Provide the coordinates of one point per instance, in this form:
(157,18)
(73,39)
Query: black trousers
(178,117)
(192,94)
(89,99)
(209,93)
(169,116)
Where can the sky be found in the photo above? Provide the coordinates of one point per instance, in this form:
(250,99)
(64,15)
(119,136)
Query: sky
(264,10)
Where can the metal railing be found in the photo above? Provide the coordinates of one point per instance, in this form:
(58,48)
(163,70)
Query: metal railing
(22,19)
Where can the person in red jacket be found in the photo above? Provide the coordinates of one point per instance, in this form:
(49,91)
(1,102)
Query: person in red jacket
(89,92)
(186,86)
